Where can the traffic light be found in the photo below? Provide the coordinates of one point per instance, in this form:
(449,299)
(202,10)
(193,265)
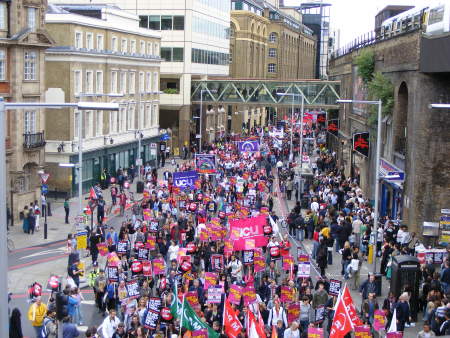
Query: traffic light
(62,303)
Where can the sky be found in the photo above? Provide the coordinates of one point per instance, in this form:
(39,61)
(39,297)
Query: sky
(357,17)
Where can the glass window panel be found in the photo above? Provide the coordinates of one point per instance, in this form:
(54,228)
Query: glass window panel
(177,54)
(178,23)
(166,53)
(166,22)
(154,22)
(143,21)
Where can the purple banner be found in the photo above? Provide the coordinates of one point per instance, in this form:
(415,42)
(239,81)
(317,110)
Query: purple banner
(185,179)
(250,145)
(205,163)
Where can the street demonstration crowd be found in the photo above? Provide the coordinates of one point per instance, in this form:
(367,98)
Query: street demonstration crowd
(212,253)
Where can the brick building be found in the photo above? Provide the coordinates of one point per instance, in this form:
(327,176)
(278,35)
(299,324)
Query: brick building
(416,138)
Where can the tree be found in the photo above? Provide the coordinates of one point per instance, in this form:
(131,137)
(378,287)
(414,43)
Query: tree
(366,64)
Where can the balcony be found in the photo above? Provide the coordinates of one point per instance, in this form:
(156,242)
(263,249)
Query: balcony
(33,141)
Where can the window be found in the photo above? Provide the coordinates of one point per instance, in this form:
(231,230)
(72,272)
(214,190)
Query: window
(155,82)
(149,48)
(154,22)
(78,40)
(141,82)
(2,64)
(76,123)
(3,15)
(155,116)
(89,41)
(100,42)
(113,82)
(143,21)
(172,54)
(149,82)
(273,37)
(436,15)
(113,116)
(30,65)
(99,82)
(124,46)
(132,83)
(89,81)
(142,43)
(130,117)
(178,23)
(148,114)
(123,83)
(114,44)
(122,119)
(201,25)
(31,17)
(210,57)
(77,82)
(89,125)
(166,22)
(271,68)
(99,123)
(272,52)
(29,122)
(133,46)
(141,116)
(156,49)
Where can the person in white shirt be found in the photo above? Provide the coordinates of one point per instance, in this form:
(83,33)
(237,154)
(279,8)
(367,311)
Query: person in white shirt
(236,268)
(110,324)
(173,251)
(277,313)
(315,206)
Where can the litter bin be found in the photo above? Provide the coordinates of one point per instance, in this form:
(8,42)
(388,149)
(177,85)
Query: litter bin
(139,187)
(406,274)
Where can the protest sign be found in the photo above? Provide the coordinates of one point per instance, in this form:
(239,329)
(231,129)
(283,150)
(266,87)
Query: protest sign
(81,240)
(122,247)
(319,314)
(315,332)
(379,320)
(151,320)
(259,264)
(363,331)
(214,295)
(217,262)
(113,273)
(133,289)
(235,294)
(159,266)
(147,268)
(304,270)
(248,257)
(210,279)
(293,312)
(154,304)
(287,294)
(249,295)
(335,287)
(288,262)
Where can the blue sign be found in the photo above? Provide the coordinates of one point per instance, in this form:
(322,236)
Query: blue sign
(397,176)
(185,179)
(164,137)
(251,145)
(44,189)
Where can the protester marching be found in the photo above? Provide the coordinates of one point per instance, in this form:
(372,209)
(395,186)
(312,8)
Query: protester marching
(211,251)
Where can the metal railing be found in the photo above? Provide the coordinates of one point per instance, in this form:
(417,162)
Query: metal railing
(33,140)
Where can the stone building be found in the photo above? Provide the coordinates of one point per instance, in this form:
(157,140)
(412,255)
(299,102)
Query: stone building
(101,55)
(415,138)
(22,79)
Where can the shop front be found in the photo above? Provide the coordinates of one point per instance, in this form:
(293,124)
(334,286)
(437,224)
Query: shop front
(391,190)
(112,158)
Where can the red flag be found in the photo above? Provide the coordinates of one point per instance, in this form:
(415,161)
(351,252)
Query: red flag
(350,307)
(274,332)
(93,194)
(341,321)
(254,330)
(231,323)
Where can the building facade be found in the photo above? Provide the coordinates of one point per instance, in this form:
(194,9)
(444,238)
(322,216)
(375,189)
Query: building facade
(415,138)
(101,55)
(194,44)
(23,40)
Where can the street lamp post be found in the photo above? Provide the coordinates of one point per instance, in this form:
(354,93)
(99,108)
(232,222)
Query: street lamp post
(292,126)
(139,134)
(4,106)
(377,173)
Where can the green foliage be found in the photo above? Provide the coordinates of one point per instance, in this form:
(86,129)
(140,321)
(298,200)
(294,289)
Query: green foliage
(380,88)
(170,91)
(366,64)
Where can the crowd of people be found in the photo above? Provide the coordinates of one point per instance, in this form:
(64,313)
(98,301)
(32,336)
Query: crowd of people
(176,249)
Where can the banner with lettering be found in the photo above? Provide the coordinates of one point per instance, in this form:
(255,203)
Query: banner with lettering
(249,295)
(379,320)
(210,279)
(159,266)
(293,312)
(235,294)
(315,332)
(287,294)
(248,228)
(363,331)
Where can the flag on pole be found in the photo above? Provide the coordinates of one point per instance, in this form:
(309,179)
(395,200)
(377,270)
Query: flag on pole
(254,329)
(342,323)
(93,194)
(232,325)
(350,307)
(393,326)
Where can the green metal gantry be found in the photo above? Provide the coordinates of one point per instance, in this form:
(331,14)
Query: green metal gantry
(317,93)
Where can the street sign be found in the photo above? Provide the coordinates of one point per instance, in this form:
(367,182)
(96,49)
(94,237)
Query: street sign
(44,177)
(198,136)
(44,189)
(164,137)
(153,145)
(445,211)
(361,143)
(139,161)
(395,176)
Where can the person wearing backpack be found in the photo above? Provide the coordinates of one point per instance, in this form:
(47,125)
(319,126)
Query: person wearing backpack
(50,327)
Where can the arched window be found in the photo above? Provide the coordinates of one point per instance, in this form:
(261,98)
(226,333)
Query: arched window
(273,37)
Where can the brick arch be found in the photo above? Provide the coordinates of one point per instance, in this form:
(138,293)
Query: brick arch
(401,118)
(236,24)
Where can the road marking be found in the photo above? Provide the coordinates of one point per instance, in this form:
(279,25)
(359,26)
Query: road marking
(46,252)
(88,302)
(38,247)
(43,260)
